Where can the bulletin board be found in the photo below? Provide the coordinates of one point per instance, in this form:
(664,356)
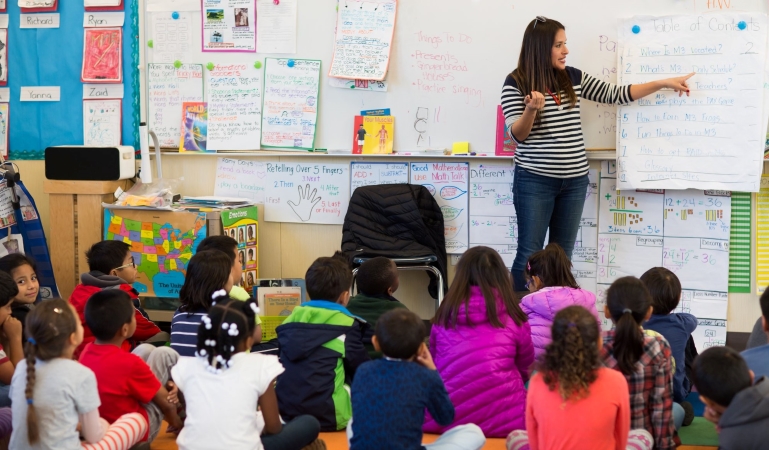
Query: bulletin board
(53,57)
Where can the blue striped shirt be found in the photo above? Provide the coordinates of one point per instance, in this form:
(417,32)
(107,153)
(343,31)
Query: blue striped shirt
(184,331)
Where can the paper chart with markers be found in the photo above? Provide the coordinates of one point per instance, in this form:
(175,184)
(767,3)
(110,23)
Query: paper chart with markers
(685,231)
(302,192)
(368,174)
(448,183)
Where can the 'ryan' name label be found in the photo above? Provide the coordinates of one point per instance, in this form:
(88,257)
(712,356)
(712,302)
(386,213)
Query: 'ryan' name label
(103,19)
(48,20)
(40,94)
(100,91)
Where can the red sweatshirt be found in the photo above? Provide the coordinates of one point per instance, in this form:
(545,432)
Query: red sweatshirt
(93,282)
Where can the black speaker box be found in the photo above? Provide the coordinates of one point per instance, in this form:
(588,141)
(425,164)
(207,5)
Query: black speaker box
(89,163)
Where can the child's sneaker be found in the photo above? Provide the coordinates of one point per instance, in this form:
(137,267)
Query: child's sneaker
(688,413)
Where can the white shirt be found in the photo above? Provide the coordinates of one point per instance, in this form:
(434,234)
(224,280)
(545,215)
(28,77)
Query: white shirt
(221,408)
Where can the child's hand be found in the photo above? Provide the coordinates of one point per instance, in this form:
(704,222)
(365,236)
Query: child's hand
(425,358)
(712,415)
(173,392)
(12,328)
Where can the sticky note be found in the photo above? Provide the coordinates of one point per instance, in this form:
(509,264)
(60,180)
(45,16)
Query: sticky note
(460,148)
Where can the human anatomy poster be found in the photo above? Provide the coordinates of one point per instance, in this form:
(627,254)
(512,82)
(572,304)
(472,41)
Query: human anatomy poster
(303,192)
(685,231)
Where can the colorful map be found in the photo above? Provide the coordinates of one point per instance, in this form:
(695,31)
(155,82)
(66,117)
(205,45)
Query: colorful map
(162,244)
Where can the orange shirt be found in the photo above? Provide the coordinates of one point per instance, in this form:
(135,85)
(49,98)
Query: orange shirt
(600,421)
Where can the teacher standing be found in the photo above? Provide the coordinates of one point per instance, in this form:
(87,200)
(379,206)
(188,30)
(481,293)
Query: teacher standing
(540,100)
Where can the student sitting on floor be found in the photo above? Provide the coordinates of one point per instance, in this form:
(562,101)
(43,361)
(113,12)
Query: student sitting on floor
(127,382)
(482,345)
(740,410)
(223,386)
(208,272)
(573,401)
(53,395)
(549,278)
(757,358)
(23,270)
(112,266)
(377,281)
(643,358)
(229,247)
(321,347)
(390,395)
(676,328)
(11,351)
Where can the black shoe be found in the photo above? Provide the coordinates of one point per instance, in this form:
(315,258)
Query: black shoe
(688,413)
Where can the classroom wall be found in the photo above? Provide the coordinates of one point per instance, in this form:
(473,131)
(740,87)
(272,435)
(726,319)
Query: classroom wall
(287,249)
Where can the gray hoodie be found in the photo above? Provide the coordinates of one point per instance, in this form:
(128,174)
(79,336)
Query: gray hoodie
(745,423)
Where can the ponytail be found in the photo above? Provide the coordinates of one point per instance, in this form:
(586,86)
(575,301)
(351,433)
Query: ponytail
(225,327)
(33,431)
(571,360)
(552,266)
(628,302)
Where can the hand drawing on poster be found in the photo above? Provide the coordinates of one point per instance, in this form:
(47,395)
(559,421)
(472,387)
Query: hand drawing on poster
(290,109)
(240,178)
(102,124)
(234,94)
(229,26)
(306,192)
(102,55)
(167,89)
(276,26)
(448,183)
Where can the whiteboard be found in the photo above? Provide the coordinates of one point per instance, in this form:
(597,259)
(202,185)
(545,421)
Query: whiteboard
(479,41)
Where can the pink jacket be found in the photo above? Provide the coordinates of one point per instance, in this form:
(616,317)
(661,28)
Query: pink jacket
(484,369)
(543,305)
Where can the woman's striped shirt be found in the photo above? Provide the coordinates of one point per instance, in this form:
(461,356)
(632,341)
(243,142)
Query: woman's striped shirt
(555,147)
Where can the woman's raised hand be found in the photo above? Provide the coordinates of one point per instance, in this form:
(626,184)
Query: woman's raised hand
(679,84)
(534,101)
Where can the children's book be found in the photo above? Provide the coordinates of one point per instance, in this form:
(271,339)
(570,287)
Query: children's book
(373,134)
(505,145)
(278,301)
(194,127)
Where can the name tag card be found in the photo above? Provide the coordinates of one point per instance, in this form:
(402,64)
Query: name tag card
(98,91)
(40,94)
(5,95)
(103,19)
(50,20)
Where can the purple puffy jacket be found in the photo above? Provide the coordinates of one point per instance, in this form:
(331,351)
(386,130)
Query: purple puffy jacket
(484,369)
(543,305)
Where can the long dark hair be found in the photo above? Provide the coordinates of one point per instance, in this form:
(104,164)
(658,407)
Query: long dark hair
(228,323)
(535,71)
(571,360)
(207,272)
(551,266)
(628,301)
(48,328)
(482,267)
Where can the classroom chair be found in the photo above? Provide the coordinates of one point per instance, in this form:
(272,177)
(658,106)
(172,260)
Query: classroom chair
(420,263)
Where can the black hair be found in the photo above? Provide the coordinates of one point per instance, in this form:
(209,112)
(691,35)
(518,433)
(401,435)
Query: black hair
(628,302)
(376,276)
(107,255)
(552,266)
(328,277)
(719,373)
(107,311)
(571,361)
(222,243)
(228,323)
(400,333)
(764,301)
(48,328)
(8,288)
(207,272)
(664,288)
(9,263)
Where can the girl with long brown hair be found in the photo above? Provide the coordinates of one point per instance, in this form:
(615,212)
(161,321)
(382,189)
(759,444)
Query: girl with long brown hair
(52,394)
(573,401)
(481,344)
(541,102)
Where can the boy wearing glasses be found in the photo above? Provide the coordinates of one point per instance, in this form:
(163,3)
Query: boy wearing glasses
(112,266)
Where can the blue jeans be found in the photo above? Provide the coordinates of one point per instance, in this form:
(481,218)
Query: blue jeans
(540,203)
